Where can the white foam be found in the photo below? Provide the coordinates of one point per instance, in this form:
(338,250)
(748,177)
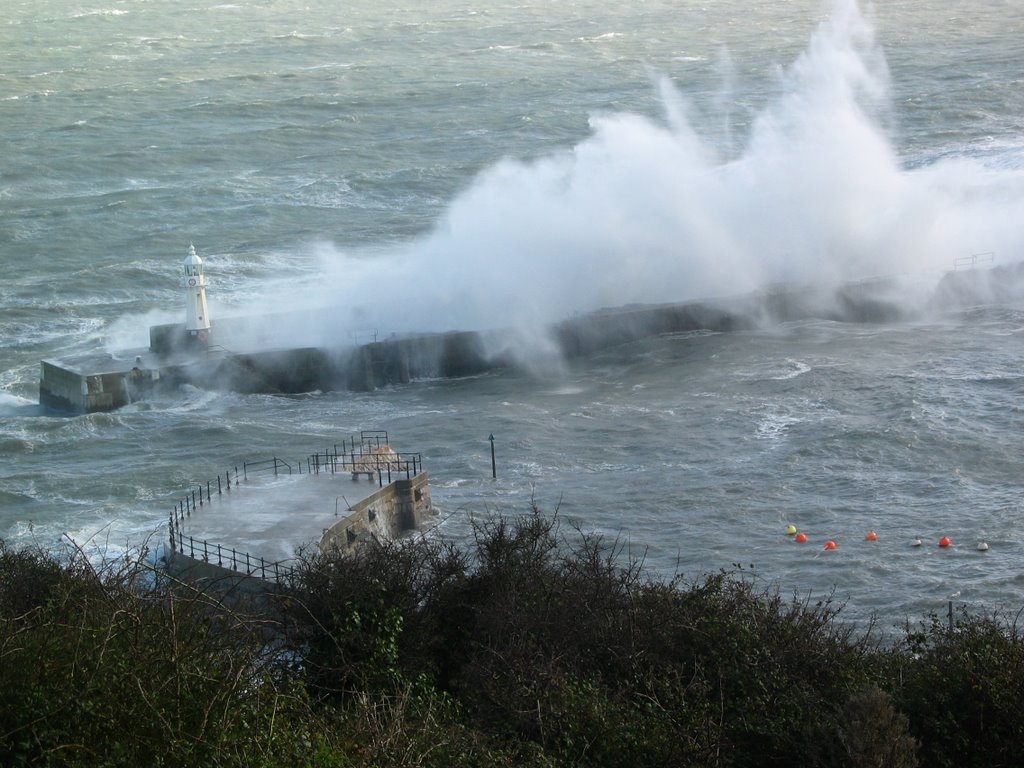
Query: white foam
(12,405)
(773,426)
(797,368)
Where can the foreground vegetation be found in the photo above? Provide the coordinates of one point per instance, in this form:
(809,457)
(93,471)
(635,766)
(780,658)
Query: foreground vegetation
(535,645)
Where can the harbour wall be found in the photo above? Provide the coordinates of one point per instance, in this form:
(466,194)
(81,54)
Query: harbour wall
(228,360)
(401,359)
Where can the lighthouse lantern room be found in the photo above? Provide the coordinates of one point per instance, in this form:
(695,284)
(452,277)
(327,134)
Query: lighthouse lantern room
(197,319)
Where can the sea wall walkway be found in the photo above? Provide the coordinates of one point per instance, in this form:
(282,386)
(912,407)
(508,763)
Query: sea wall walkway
(250,521)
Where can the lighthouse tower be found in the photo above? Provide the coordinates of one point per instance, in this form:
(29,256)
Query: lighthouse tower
(197,319)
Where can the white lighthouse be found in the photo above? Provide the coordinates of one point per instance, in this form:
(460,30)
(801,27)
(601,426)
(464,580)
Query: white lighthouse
(197,319)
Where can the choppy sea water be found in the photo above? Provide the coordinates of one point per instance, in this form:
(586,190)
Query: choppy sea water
(508,166)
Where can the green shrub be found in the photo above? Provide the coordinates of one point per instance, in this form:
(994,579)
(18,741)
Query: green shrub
(97,670)
(535,644)
(868,732)
(560,639)
(962,689)
(359,621)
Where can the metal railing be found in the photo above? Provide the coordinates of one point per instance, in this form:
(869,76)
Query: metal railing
(231,558)
(362,336)
(265,465)
(969,262)
(192,500)
(381,465)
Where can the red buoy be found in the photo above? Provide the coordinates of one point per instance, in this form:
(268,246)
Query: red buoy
(871,536)
(801,537)
(944,541)
(830,544)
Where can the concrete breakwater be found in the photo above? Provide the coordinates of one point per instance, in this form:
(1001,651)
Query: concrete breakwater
(235,358)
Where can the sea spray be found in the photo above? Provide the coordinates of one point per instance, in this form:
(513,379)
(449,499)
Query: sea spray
(646,211)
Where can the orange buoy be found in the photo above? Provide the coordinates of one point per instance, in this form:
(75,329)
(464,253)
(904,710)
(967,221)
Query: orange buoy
(801,537)
(945,541)
(830,544)
(871,536)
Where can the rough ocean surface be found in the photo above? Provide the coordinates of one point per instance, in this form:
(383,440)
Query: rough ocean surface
(397,168)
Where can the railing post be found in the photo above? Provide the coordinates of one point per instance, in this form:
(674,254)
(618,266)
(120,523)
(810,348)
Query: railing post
(220,557)
(218,486)
(206,551)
